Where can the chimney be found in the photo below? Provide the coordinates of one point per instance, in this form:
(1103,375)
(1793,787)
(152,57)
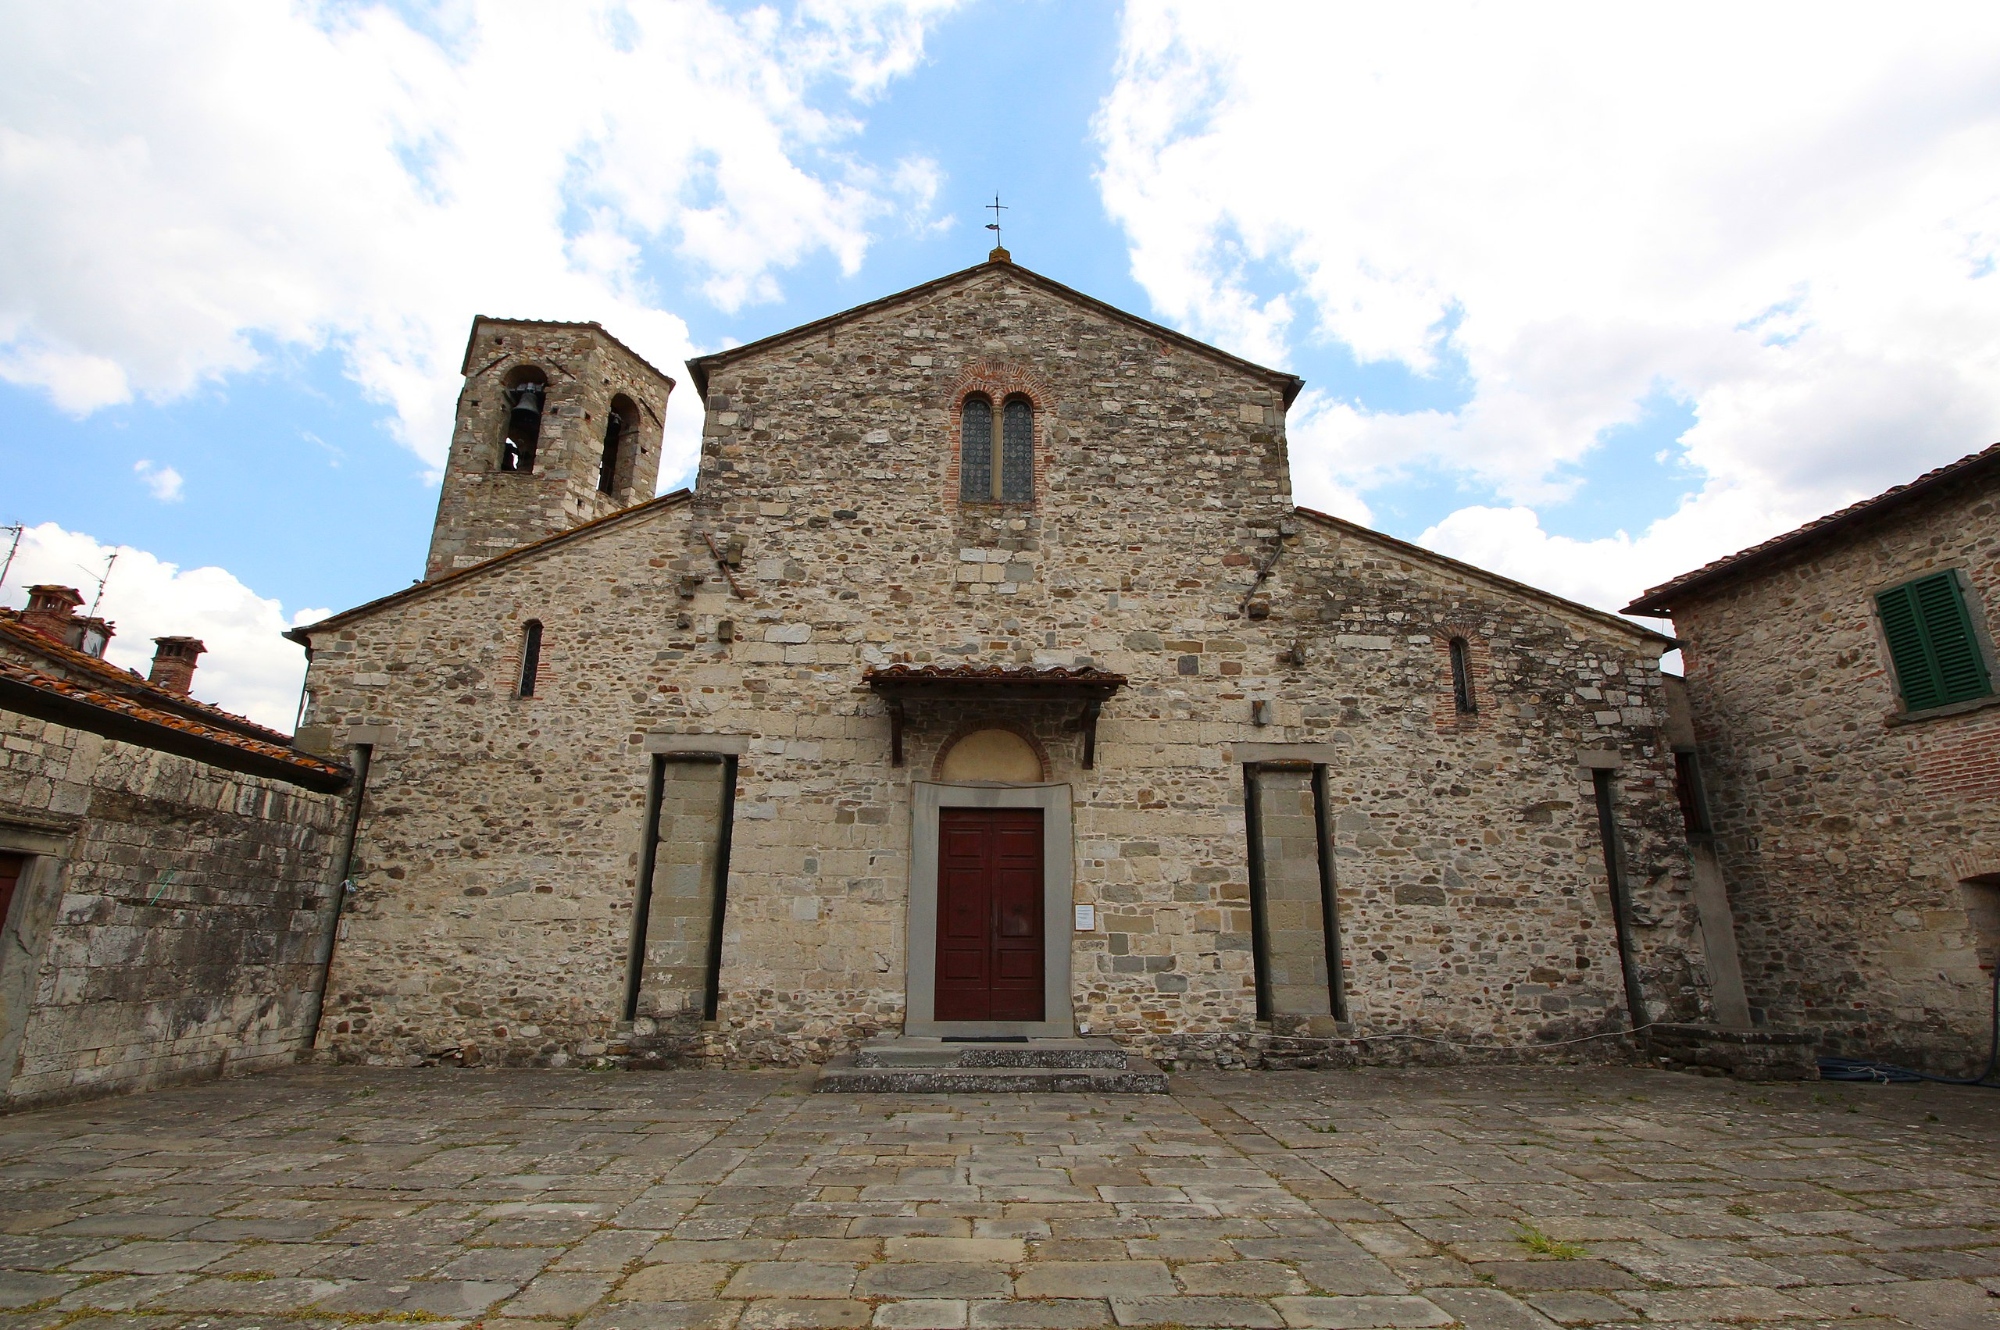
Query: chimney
(52,613)
(173,663)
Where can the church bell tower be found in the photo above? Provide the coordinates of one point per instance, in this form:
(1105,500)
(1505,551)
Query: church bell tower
(558,424)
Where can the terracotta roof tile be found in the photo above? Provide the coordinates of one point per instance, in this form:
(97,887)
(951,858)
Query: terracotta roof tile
(111,678)
(1057,676)
(133,709)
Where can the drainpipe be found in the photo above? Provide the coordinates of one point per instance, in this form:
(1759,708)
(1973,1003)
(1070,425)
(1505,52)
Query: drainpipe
(343,888)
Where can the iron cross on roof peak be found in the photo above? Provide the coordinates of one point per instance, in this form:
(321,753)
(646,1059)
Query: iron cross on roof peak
(997,207)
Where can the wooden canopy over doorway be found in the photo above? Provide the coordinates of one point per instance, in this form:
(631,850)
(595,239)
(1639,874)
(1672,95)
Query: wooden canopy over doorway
(1089,687)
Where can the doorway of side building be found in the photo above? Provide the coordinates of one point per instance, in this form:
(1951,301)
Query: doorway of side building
(990,934)
(12,866)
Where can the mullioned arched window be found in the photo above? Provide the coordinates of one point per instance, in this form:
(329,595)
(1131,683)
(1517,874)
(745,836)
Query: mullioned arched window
(996,455)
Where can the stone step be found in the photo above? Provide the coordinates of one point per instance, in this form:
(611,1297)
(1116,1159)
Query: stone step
(922,1052)
(843,1075)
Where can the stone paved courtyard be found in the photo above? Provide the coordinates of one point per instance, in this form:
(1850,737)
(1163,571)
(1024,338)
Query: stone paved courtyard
(628,1201)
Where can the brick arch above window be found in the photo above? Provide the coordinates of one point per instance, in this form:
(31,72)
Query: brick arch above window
(1446,715)
(997,381)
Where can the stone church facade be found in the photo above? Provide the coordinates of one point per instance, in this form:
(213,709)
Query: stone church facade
(988,681)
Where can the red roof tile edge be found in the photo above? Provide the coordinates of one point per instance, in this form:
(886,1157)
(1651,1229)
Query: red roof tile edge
(130,684)
(1054,675)
(1657,601)
(164,729)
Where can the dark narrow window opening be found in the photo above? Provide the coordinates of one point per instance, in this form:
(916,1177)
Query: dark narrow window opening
(1621,904)
(1017,452)
(607,466)
(975,451)
(1687,787)
(1461,678)
(524,424)
(619,423)
(531,657)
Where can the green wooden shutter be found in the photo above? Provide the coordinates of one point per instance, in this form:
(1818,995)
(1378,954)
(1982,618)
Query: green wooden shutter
(1930,637)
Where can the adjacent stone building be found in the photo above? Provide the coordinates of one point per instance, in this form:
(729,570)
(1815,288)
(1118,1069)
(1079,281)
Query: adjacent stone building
(1842,683)
(167,869)
(988,682)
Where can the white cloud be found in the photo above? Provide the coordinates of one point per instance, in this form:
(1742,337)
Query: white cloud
(163,482)
(186,185)
(1785,215)
(248,668)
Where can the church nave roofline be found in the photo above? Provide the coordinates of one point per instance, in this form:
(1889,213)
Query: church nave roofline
(699,368)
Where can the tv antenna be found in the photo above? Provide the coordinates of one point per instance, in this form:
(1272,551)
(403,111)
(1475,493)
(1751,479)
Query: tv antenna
(996,208)
(109,564)
(12,550)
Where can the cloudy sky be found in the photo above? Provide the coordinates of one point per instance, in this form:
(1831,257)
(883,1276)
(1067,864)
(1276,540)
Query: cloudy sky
(1588,294)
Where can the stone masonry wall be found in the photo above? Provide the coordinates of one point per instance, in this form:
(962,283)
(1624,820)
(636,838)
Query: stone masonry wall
(484,511)
(1845,832)
(1470,879)
(498,849)
(178,937)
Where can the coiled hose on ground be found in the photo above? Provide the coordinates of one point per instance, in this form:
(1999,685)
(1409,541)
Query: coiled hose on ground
(1887,1073)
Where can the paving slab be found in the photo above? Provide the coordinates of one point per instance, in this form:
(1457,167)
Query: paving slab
(742,1201)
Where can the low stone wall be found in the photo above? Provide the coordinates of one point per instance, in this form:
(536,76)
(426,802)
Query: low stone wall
(168,923)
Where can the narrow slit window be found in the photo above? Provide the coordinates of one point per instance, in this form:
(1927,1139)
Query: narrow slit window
(975,451)
(531,657)
(1017,452)
(1461,678)
(1938,657)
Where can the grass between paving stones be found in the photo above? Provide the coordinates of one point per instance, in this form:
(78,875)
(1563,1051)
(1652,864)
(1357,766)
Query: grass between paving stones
(1541,1244)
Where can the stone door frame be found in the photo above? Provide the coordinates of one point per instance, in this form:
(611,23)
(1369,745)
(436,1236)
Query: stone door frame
(1058,878)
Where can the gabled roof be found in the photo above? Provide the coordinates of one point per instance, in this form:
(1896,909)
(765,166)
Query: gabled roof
(303,633)
(80,704)
(1495,580)
(101,675)
(465,365)
(1661,599)
(702,366)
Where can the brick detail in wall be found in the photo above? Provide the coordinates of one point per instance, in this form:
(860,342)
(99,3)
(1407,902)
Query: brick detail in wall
(1446,718)
(1962,761)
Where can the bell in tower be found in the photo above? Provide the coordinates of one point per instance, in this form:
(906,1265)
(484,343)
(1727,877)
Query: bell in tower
(558,424)
(524,427)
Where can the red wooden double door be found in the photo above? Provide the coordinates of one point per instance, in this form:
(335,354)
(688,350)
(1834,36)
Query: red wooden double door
(990,937)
